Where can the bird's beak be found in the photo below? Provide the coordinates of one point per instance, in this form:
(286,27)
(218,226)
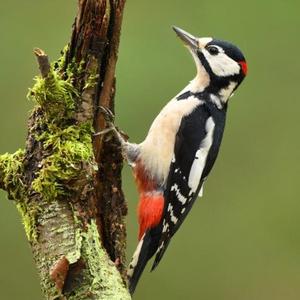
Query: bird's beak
(189,40)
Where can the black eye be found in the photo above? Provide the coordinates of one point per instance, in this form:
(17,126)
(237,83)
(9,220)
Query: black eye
(213,50)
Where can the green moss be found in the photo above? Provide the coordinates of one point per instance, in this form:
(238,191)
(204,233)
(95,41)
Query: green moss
(11,173)
(55,96)
(69,148)
(29,220)
(91,81)
(71,70)
(93,75)
(61,62)
(75,71)
(66,145)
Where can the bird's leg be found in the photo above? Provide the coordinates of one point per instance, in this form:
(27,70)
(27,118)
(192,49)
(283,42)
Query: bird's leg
(130,151)
(107,113)
(109,118)
(112,128)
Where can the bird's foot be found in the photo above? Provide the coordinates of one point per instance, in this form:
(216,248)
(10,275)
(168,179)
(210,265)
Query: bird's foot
(109,118)
(107,113)
(105,131)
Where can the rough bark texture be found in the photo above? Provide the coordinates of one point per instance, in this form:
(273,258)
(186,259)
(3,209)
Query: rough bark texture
(67,184)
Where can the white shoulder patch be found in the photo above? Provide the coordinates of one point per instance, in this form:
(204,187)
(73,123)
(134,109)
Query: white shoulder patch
(201,156)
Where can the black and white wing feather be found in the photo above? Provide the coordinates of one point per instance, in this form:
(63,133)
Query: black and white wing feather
(191,164)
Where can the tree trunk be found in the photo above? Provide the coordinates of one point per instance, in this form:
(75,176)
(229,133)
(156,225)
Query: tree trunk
(67,183)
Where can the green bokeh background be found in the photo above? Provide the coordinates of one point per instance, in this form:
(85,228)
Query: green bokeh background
(242,239)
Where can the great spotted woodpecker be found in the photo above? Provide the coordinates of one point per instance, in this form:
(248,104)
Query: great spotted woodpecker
(172,163)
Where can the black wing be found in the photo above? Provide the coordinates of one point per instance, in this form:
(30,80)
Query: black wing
(179,195)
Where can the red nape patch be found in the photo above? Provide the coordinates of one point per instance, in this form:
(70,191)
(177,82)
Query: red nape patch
(150,210)
(244,67)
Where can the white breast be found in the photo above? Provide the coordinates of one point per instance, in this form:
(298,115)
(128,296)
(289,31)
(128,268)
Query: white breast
(157,149)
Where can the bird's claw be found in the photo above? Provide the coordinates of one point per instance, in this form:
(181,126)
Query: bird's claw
(104,131)
(107,113)
(109,119)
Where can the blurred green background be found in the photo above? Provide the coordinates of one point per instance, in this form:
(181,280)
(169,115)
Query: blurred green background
(242,239)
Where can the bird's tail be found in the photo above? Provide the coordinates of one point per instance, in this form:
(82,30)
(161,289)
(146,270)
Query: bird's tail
(144,251)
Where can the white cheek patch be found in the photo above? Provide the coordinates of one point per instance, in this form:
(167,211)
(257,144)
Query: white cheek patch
(221,64)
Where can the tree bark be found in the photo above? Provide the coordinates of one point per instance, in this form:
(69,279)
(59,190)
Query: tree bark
(67,182)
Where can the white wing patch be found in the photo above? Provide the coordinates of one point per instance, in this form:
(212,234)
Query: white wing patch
(201,156)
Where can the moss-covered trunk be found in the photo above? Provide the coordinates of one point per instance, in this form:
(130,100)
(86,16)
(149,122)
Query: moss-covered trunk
(66,183)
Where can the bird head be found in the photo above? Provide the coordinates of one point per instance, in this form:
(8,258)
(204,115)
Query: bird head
(221,66)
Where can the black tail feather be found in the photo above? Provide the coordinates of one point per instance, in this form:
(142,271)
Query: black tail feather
(141,263)
(159,255)
(149,246)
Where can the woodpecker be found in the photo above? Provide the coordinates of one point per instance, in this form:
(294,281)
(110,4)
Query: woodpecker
(171,165)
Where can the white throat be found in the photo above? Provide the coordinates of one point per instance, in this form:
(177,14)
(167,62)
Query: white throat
(202,79)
